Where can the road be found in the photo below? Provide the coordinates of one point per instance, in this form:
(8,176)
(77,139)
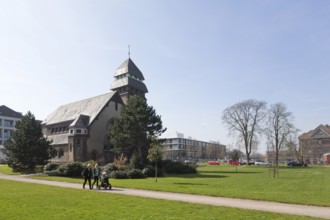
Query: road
(313,211)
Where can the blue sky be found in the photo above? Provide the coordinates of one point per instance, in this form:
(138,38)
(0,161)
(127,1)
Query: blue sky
(197,57)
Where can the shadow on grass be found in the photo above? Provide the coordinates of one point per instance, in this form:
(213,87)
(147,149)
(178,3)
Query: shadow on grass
(226,171)
(200,175)
(192,184)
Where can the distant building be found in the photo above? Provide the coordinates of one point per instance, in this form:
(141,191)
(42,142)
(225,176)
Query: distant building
(79,130)
(179,148)
(8,120)
(315,143)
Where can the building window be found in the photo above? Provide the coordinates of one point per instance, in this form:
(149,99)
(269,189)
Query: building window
(9,123)
(60,153)
(71,131)
(78,131)
(78,142)
(6,134)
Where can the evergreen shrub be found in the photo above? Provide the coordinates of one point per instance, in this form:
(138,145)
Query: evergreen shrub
(119,174)
(171,167)
(135,174)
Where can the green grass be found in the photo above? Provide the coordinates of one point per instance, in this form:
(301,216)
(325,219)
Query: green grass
(293,185)
(7,170)
(32,201)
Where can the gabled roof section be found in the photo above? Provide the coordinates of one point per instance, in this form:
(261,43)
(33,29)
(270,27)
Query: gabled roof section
(322,131)
(79,111)
(5,111)
(81,121)
(128,66)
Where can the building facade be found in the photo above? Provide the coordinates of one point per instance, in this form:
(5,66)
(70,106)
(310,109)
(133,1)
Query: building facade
(79,130)
(8,120)
(314,144)
(179,148)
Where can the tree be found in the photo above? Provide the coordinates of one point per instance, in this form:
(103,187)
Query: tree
(235,155)
(214,151)
(134,129)
(279,127)
(155,154)
(244,119)
(27,146)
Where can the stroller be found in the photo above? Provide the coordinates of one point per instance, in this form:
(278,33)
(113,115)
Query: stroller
(104,181)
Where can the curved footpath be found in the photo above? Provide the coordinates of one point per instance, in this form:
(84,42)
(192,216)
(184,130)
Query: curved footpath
(313,211)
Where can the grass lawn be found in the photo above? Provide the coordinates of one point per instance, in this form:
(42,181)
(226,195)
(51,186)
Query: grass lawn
(293,185)
(32,201)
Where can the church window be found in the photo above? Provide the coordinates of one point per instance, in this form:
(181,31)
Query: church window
(78,131)
(60,153)
(78,142)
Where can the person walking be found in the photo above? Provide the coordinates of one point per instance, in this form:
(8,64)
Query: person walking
(96,174)
(87,174)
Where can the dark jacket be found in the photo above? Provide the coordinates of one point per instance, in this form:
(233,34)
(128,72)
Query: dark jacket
(87,173)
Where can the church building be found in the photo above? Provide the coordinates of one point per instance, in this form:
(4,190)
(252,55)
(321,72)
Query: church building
(79,130)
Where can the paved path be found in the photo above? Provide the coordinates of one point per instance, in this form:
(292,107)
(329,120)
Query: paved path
(313,211)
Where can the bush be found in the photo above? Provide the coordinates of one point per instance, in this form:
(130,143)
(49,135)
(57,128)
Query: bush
(51,166)
(171,167)
(68,169)
(135,174)
(110,167)
(149,171)
(119,174)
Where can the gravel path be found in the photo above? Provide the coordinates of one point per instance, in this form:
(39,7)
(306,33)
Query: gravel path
(313,211)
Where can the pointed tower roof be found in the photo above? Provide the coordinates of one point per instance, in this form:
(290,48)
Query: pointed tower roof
(129,80)
(128,66)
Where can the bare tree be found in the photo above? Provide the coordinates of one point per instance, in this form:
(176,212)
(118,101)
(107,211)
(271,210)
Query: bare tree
(214,151)
(245,119)
(279,128)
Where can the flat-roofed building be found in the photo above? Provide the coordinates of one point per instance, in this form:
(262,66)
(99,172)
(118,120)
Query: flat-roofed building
(8,120)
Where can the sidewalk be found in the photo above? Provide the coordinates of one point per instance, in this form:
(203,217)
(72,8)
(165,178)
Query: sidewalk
(313,211)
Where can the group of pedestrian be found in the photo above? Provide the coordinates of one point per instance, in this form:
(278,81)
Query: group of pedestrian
(88,173)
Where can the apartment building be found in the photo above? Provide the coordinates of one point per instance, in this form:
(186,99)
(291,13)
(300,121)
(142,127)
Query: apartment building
(179,148)
(8,120)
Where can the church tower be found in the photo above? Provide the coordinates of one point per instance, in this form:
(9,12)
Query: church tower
(129,81)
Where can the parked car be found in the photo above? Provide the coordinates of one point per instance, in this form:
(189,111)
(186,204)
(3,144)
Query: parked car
(244,162)
(233,162)
(189,161)
(212,162)
(296,164)
(261,163)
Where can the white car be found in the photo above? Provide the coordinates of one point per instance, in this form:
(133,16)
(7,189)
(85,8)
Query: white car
(261,163)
